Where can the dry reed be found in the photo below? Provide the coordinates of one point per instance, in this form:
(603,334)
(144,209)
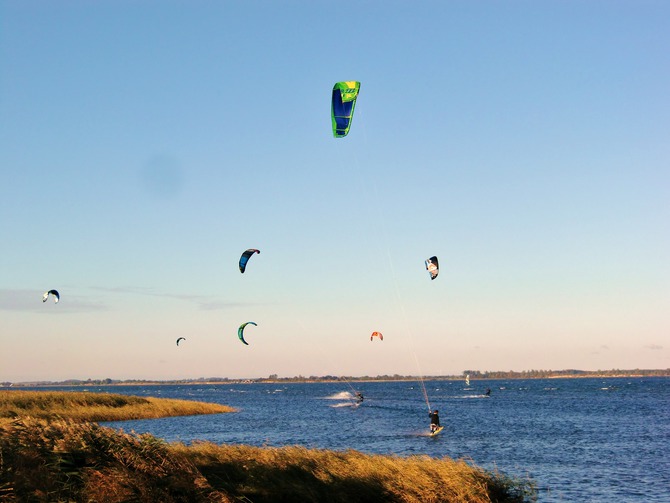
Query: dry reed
(85,406)
(52,461)
(45,458)
(286,474)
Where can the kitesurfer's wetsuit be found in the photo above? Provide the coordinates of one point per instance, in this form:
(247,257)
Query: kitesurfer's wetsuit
(434,420)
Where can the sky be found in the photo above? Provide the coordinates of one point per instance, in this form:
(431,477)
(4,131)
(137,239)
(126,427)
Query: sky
(145,145)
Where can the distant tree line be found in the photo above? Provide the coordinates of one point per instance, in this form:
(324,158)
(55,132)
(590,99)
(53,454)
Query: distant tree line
(473,374)
(543,374)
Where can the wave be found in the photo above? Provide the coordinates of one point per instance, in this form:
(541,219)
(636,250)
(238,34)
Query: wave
(342,395)
(345,404)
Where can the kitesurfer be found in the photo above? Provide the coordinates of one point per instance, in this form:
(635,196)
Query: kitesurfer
(434,420)
(488,391)
(359,397)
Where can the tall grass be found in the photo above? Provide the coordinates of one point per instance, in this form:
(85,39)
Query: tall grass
(288,474)
(46,458)
(85,406)
(53,461)
(59,460)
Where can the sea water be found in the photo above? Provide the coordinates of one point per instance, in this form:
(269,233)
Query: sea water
(588,439)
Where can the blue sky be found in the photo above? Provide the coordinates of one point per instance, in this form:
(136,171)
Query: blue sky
(145,145)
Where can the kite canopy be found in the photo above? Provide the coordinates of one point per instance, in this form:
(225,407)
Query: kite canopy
(433,267)
(180,339)
(240,331)
(342,107)
(377,334)
(55,294)
(245,258)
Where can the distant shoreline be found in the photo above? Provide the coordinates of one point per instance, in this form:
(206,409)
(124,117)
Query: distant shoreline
(474,376)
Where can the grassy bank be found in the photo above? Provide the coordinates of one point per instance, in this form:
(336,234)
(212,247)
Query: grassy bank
(265,475)
(59,460)
(84,406)
(51,450)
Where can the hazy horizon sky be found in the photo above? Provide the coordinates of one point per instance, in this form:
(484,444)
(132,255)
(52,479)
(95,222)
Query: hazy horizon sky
(145,145)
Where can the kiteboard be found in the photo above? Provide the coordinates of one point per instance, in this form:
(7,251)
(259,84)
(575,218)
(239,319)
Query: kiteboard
(437,431)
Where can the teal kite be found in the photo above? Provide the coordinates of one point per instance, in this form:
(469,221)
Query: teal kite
(342,107)
(240,331)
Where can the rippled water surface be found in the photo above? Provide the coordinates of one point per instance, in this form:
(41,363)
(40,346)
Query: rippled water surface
(580,439)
